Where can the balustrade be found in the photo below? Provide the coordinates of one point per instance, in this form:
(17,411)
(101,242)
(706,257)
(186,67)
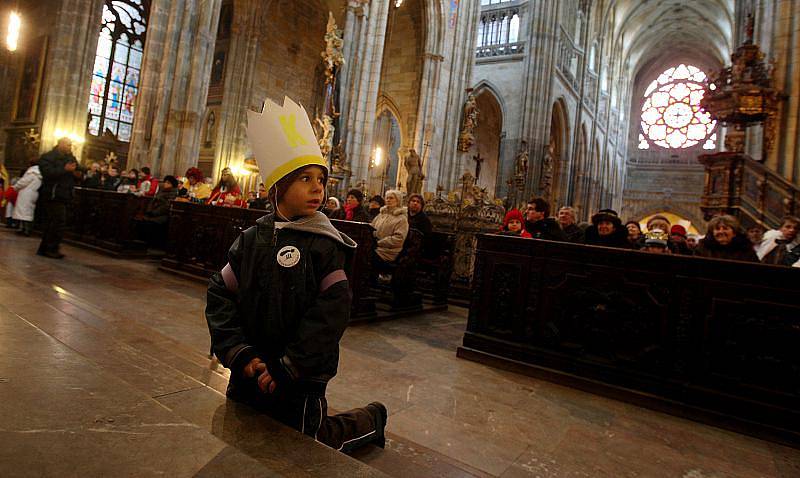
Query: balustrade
(738,185)
(505,49)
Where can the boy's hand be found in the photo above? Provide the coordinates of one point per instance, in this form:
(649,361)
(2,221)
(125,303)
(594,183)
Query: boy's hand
(265,381)
(254,368)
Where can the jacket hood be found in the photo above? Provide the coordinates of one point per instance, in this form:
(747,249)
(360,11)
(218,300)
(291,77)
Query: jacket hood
(317,223)
(396,211)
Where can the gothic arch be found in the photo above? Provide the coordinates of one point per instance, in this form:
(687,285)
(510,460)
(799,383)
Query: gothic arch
(386,103)
(646,210)
(491,87)
(555,188)
(488,135)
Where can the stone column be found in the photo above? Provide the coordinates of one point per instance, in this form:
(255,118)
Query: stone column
(177,67)
(446,165)
(537,97)
(363,81)
(70,59)
(232,143)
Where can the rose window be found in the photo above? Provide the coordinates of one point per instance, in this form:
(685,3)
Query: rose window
(671,113)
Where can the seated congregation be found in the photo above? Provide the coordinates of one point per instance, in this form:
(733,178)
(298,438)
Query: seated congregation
(724,238)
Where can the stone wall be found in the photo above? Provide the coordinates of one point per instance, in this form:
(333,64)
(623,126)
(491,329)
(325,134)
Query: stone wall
(402,64)
(289,63)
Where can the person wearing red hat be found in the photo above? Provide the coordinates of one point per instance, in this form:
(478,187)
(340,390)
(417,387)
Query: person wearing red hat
(513,225)
(677,239)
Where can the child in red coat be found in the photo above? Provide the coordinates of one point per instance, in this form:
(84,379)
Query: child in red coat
(513,225)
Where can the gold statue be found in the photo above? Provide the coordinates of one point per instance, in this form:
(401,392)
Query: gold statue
(332,56)
(326,131)
(467,137)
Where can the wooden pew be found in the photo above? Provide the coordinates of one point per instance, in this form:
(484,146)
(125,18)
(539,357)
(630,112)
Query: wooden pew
(401,294)
(435,267)
(707,339)
(103,220)
(200,236)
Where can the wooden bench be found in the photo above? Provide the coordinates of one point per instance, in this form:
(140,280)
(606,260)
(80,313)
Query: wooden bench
(200,236)
(103,220)
(435,267)
(401,294)
(707,339)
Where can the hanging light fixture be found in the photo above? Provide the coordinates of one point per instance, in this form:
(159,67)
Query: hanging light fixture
(398,3)
(14,26)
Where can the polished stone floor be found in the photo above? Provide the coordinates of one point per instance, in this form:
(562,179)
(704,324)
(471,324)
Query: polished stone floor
(105,370)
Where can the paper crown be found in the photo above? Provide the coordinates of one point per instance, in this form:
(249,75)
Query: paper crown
(656,237)
(282,140)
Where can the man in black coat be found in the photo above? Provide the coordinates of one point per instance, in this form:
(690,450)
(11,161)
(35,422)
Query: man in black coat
(539,223)
(58,180)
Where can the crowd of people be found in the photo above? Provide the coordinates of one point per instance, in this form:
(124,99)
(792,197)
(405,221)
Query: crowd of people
(724,238)
(46,186)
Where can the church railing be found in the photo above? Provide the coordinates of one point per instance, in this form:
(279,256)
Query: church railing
(503,49)
(738,185)
(707,339)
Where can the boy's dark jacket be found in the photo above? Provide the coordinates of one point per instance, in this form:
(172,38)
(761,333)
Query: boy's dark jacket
(277,313)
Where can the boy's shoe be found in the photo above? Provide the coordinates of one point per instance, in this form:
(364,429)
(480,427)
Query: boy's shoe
(379,412)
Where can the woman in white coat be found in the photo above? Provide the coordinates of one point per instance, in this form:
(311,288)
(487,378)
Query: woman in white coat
(391,229)
(28,192)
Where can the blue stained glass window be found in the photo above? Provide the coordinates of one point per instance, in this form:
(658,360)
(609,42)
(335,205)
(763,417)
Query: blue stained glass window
(118,72)
(115,84)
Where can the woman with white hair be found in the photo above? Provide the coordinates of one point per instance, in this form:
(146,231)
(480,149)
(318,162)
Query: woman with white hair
(391,228)
(331,206)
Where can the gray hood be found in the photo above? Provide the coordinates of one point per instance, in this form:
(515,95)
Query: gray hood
(317,223)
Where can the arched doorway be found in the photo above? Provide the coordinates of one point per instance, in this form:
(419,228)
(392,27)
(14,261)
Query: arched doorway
(387,155)
(554,165)
(486,152)
(674,219)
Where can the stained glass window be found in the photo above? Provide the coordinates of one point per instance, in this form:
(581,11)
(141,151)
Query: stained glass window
(117,68)
(671,113)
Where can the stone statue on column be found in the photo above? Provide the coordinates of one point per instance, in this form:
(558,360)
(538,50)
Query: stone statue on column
(521,162)
(467,137)
(413,164)
(546,181)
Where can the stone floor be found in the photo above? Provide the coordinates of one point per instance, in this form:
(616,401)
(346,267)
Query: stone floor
(105,369)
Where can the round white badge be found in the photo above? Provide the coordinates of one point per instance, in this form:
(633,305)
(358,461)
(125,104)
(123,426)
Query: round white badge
(288,256)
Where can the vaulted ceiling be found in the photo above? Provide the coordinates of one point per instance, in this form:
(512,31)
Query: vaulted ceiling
(646,29)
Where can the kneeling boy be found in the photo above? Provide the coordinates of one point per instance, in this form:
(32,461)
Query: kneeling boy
(277,310)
